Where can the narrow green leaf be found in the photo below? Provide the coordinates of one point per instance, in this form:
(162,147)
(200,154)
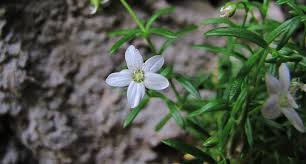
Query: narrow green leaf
(281,29)
(185,148)
(162,122)
(188,85)
(121,41)
(167,72)
(243,46)
(226,132)
(179,34)
(132,115)
(219,21)
(248,65)
(235,88)
(222,50)
(248,131)
(232,90)
(293,5)
(210,48)
(271,123)
(215,105)
(211,141)
(286,36)
(175,113)
(152,93)
(121,32)
(157,14)
(239,33)
(193,127)
(163,32)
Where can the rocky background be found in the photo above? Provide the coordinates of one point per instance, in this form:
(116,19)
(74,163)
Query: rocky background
(54,104)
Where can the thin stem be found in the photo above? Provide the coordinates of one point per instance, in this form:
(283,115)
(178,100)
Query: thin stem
(304,36)
(246,14)
(133,15)
(151,45)
(140,25)
(175,90)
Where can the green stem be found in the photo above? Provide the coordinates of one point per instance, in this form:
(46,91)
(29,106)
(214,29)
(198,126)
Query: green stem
(246,13)
(304,36)
(140,25)
(174,90)
(133,15)
(151,45)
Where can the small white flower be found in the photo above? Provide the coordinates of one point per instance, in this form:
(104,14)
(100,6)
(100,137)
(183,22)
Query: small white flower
(138,76)
(280,100)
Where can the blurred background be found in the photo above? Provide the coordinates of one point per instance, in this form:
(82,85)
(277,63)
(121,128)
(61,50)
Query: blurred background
(54,104)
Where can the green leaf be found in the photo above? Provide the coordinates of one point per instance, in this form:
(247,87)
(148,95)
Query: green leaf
(132,115)
(152,93)
(221,50)
(210,48)
(286,36)
(157,14)
(243,46)
(126,31)
(282,28)
(193,127)
(215,105)
(175,113)
(121,41)
(188,85)
(179,34)
(163,32)
(211,141)
(232,90)
(185,148)
(167,72)
(239,33)
(292,4)
(219,21)
(248,65)
(226,131)
(162,122)
(248,131)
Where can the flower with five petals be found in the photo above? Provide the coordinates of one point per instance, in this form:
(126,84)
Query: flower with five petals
(280,100)
(138,76)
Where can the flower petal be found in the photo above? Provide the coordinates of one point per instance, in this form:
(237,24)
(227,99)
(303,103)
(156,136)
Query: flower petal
(284,76)
(273,85)
(294,118)
(154,63)
(292,101)
(133,58)
(135,93)
(270,109)
(155,81)
(119,79)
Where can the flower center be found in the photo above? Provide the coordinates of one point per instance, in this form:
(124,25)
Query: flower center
(138,76)
(283,101)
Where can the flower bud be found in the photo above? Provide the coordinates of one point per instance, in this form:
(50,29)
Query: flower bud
(228,9)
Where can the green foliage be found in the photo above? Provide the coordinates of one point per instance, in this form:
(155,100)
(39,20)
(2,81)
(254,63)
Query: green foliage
(185,148)
(230,125)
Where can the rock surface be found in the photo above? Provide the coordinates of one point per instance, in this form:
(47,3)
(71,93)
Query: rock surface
(54,104)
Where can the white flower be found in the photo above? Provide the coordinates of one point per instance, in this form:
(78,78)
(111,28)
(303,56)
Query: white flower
(138,76)
(280,100)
